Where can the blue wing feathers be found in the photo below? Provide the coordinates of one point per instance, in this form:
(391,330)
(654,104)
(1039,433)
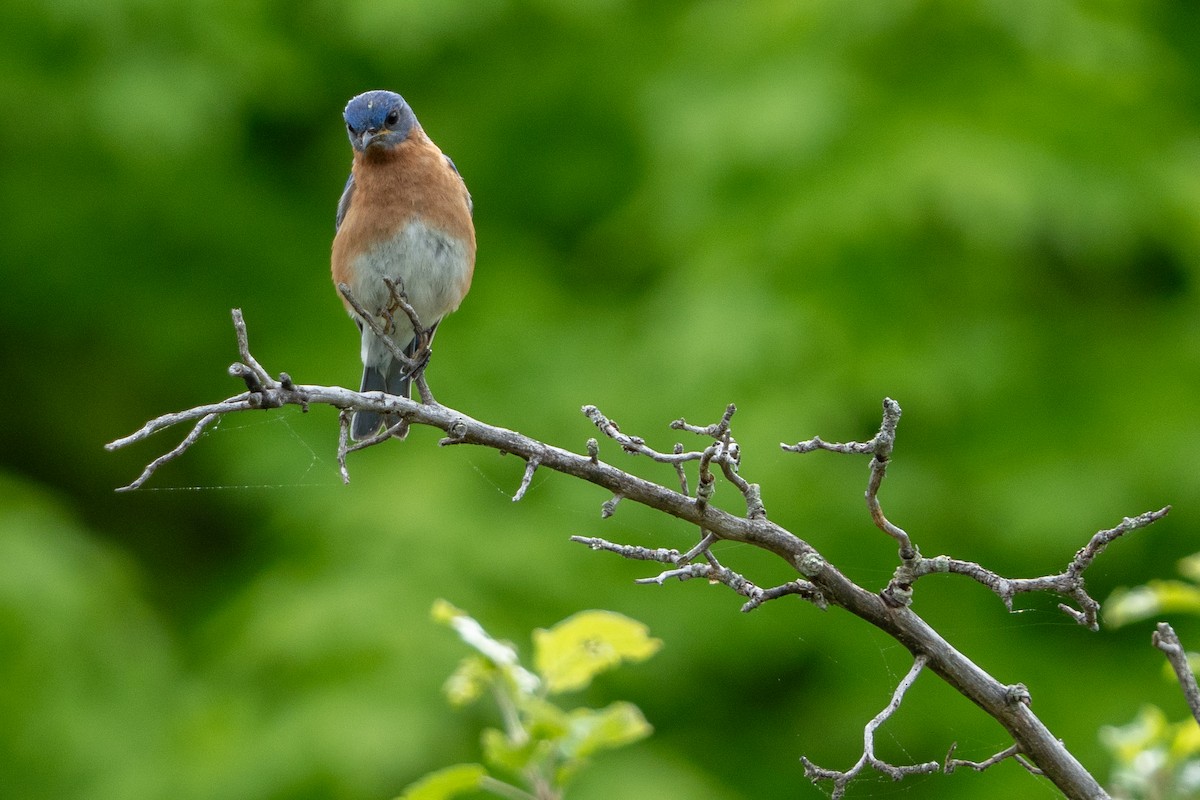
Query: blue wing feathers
(344,203)
(470,202)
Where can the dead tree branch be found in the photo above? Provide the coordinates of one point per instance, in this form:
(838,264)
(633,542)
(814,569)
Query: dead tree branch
(1165,639)
(1012,751)
(880,450)
(842,779)
(818,581)
(1069,583)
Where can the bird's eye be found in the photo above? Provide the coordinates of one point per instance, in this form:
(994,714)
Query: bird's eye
(349,127)
(393,117)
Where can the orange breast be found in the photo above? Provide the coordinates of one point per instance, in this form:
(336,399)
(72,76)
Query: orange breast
(390,188)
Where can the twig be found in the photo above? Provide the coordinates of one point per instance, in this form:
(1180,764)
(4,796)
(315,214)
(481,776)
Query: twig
(530,467)
(243,342)
(179,449)
(1165,639)
(397,298)
(1013,751)
(724,452)
(238,402)
(707,540)
(713,572)
(682,573)
(679,471)
(803,589)
(372,322)
(717,430)
(880,448)
(635,445)
(343,444)
(842,779)
(631,551)
(609,507)
(423,388)
(1068,583)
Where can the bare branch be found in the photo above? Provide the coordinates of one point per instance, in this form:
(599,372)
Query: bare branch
(1165,639)
(398,299)
(706,486)
(372,322)
(243,342)
(683,481)
(1068,583)
(803,589)
(1013,752)
(423,388)
(713,572)
(717,430)
(724,452)
(842,779)
(817,443)
(414,363)
(343,444)
(179,449)
(634,445)
(682,573)
(609,506)
(707,540)
(630,551)
(398,429)
(880,448)
(819,580)
(530,467)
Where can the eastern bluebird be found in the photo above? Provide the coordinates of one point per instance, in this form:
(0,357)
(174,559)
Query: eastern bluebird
(405,214)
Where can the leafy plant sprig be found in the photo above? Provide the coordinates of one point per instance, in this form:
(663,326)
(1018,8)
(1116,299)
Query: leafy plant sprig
(541,745)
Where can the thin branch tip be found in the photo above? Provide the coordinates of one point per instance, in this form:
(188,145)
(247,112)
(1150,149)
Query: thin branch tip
(1165,639)
(531,466)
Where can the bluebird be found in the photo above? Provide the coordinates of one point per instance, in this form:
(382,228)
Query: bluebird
(405,214)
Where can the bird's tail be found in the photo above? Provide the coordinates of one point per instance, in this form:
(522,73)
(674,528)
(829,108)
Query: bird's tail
(365,424)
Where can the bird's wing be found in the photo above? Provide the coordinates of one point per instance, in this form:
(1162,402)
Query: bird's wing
(344,203)
(470,202)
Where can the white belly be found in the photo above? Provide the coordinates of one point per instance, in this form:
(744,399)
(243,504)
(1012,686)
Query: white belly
(430,267)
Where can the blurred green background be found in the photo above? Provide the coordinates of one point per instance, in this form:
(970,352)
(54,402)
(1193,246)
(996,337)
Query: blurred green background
(987,210)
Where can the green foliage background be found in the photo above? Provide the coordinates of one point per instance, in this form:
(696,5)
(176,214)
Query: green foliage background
(987,210)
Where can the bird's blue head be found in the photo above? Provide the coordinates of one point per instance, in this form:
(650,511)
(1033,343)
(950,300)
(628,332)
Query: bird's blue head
(378,119)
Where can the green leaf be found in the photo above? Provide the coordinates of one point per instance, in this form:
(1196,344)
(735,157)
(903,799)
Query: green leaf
(543,719)
(1190,567)
(468,681)
(445,783)
(1126,742)
(1152,732)
(592,731)
(569,655)
(606,729)
(1185,740)
(503,753)
(1156,597)
(445,612)
(501,654)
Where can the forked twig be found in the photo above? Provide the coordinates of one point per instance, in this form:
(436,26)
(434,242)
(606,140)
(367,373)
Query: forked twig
(842,778)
